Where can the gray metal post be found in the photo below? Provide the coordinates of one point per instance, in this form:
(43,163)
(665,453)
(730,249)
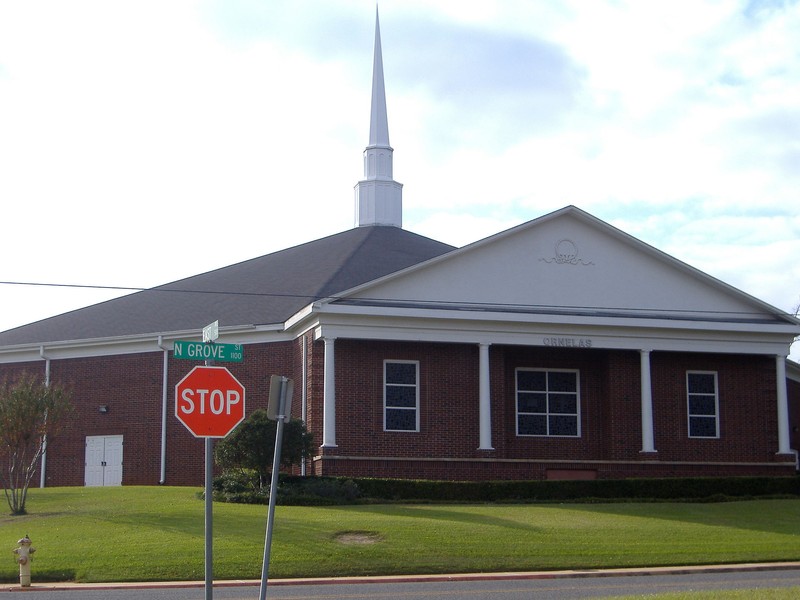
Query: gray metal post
(209,512)
(273,490)
(209,556)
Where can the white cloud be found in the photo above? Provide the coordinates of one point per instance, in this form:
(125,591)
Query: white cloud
(146,141)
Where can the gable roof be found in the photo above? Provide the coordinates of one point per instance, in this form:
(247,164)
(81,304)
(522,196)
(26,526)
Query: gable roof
(260,291)
(565,263)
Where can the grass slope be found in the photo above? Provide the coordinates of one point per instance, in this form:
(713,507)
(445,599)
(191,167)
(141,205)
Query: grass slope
(791,593)
(151,533)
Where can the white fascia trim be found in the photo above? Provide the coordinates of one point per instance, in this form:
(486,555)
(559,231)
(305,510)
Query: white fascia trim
(569,335)
(792,370)
(303,314)
(558,339)
(134,344)
(555,319)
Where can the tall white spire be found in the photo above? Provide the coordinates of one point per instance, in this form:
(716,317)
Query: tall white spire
(379,199)
(378,120)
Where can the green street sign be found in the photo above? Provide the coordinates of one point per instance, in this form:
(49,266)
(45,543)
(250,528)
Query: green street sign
(204,351)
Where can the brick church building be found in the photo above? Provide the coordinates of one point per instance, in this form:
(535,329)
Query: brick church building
(560,348)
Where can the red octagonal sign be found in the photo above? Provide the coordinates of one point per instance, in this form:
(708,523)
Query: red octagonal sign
(209,401)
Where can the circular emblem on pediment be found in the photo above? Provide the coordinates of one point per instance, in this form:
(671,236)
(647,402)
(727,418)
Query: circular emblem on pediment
(566,253)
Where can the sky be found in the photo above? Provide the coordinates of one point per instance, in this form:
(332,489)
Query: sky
(145,141)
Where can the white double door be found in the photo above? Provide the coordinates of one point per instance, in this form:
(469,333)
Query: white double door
(103,460)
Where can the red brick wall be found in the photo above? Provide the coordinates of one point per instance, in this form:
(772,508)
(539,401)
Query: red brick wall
(747,408)
(793,392)
(448,399)
(610,442)
(465,470)
(11,372)
(131,387)
(593,442)
(185,453)
(623,405)
(315,374)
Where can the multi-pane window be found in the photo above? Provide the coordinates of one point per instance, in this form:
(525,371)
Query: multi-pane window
(703,402)
(548,402)
(401,395)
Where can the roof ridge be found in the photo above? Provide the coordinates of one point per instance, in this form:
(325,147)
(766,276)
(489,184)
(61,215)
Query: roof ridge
(370,231)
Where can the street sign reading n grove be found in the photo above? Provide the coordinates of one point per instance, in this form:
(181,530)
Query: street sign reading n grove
(209,401)
(205,351)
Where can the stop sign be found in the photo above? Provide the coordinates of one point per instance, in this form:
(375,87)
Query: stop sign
(209,401)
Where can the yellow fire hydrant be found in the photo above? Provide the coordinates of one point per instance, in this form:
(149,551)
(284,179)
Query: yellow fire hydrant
(24,558)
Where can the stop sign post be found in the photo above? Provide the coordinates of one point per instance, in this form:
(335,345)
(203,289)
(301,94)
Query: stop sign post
(209,401)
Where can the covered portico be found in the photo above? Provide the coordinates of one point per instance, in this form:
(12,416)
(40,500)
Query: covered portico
(490,331)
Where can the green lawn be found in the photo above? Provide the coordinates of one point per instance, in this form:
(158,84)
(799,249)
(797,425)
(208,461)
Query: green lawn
(151,533)
(791,593)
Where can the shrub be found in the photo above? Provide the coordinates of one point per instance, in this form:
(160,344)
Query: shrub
(251,446)
(565,491)
(243,487)
(239,486)
(317,491)
(332,490)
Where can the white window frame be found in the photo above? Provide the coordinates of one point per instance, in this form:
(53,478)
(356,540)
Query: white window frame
(690,415)
(415,385)
(548,414)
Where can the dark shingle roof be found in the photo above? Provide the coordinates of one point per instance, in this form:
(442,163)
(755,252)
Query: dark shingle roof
(260,291)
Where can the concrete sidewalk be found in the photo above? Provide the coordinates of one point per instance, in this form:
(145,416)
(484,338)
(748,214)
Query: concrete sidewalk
(415,578)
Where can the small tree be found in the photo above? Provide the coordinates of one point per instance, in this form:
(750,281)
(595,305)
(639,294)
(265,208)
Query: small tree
(29,411)
(252,445)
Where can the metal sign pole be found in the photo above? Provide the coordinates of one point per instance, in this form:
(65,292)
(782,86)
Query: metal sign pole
(210,333)
(273,488)
(209,524)
(220,382)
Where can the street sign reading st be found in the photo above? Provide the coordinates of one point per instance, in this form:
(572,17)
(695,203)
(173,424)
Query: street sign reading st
(205,351)
(211,332)
(209,401)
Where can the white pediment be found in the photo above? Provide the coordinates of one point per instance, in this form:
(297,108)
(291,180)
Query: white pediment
(568,260)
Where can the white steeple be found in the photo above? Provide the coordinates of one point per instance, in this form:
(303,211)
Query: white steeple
(379,199)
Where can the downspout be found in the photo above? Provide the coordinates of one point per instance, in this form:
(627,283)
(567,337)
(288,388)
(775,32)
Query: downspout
(303,394)
(164,377)
(43,469)
(783,406)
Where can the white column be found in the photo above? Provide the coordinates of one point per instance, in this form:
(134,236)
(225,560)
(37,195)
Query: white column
(304,393)
(647,404)
(329,397)
(484,399)
(783,407)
